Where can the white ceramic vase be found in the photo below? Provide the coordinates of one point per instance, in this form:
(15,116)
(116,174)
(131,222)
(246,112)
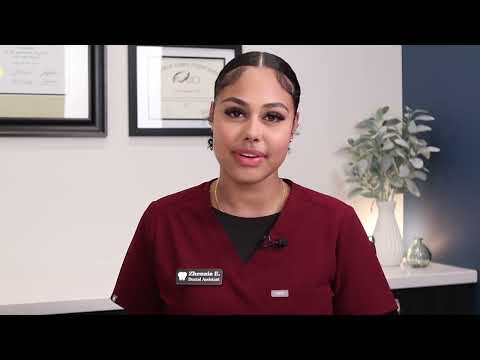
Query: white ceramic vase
(388,240)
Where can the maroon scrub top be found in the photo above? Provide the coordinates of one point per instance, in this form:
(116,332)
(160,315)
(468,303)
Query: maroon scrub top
(328,267)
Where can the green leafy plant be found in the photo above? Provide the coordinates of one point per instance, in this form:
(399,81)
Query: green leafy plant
(388,157)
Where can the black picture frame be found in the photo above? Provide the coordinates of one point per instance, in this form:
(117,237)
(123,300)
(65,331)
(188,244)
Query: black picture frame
(95,125)
(134,91)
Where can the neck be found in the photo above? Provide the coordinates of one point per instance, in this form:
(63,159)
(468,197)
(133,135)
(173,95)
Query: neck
(249,199)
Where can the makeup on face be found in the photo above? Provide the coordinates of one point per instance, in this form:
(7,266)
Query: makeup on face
(237,108)
(253,118)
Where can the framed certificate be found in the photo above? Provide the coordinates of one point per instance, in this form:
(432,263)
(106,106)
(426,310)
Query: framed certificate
(171,87)
(52,90)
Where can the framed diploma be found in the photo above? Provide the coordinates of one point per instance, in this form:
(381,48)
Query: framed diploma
(52,90)
(171,87)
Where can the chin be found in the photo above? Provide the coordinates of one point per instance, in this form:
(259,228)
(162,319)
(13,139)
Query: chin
(249,176)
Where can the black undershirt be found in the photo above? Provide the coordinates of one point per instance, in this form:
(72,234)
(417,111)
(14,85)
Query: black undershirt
(246,234)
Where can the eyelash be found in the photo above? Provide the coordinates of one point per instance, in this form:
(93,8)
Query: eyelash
(276,116)
(230,112)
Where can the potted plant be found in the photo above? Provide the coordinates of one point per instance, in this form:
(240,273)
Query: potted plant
(386,159)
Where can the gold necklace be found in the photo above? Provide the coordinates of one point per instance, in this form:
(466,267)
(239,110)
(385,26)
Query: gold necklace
(218,203)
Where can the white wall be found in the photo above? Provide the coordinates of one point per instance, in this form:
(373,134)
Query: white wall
(69,207)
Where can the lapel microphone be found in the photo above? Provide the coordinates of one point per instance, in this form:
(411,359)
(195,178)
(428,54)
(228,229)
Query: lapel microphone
(279,243)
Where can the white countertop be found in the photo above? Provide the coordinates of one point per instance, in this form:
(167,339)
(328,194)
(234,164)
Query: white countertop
(398,277)
(59,307)
(405,277)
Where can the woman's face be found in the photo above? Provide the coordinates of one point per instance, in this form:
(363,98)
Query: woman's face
(253,120)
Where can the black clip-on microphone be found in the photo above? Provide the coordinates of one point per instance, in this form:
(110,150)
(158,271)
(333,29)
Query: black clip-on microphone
(280,243)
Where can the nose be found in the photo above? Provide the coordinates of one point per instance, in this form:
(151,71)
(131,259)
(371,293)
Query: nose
(253,129)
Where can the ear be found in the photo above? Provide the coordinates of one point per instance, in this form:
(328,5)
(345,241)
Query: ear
(295,123)
(210,115)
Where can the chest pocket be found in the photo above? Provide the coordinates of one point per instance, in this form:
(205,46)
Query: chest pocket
(300,301)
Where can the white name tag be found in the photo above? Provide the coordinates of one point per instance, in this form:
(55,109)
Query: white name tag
(279,293)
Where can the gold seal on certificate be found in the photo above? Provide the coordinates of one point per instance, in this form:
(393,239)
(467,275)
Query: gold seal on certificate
(186,86)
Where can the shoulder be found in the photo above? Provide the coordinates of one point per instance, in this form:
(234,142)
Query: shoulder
(191,197)
(321,201)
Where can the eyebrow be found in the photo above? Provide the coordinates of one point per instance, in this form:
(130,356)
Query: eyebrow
(243,103)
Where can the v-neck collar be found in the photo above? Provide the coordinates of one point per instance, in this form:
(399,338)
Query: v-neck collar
(277,231)
(247,234)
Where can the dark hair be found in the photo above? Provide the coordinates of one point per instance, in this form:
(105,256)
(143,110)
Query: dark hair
(286,76)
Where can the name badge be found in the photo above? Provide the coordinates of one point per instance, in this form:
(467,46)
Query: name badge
(199,277)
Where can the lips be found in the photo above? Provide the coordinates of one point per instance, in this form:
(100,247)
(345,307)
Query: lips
(249,157)
(249,152)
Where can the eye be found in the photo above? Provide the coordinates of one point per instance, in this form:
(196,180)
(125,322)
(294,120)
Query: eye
(234,112)
(274,117)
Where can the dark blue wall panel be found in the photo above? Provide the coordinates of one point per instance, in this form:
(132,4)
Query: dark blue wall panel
(445,79)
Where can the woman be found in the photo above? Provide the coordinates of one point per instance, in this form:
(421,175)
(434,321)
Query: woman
(250,242)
